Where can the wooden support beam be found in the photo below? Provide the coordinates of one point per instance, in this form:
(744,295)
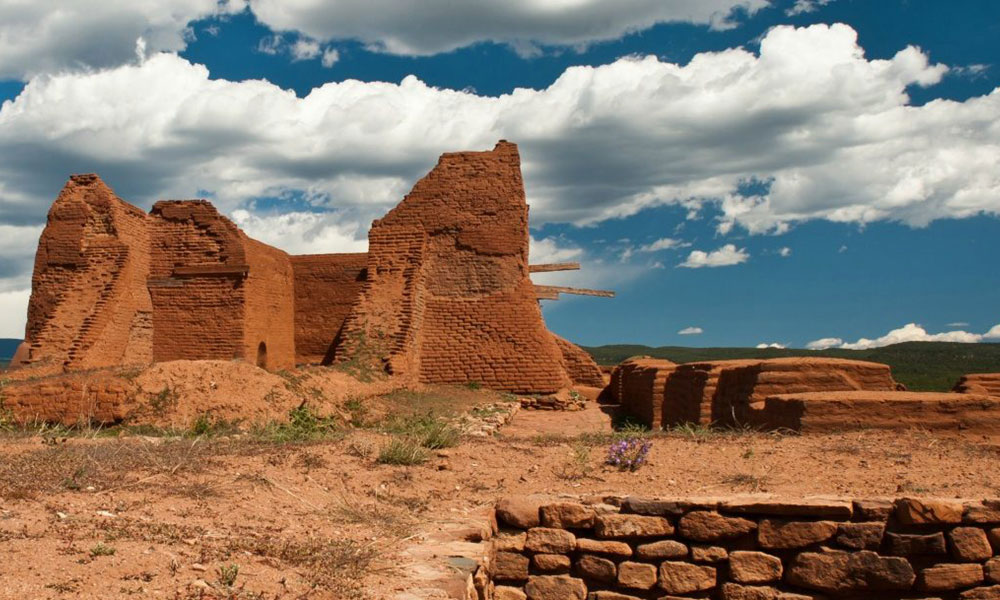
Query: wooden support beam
(549,289)
(211,270)
(549,267)
(544,295)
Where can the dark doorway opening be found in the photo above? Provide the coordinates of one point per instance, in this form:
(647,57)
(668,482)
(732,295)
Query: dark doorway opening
(262,355)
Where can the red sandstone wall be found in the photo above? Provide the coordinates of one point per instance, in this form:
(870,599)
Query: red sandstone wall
(448,296)
(216,293)
(89,306)
(581,366)
(326,288)
(979,383)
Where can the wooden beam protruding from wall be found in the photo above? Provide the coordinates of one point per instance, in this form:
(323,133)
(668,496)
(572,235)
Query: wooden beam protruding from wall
(549,267)
(544,292)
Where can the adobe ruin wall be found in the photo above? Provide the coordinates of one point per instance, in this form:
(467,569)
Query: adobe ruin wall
(443,295)
(326,288)
(661,394)
(449,298)
(89,305)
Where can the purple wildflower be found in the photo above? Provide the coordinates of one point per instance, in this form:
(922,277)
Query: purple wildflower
(628,454)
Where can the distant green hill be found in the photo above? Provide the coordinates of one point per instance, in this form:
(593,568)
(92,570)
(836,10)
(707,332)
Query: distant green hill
(921,366)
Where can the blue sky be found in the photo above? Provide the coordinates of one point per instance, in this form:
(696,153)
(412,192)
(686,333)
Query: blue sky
(794,172)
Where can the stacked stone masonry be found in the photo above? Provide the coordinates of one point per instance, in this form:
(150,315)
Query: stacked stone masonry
(747,548)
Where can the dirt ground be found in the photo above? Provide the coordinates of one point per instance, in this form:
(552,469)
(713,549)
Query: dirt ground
(251,516)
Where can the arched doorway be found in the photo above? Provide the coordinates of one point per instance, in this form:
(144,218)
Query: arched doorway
(262,355)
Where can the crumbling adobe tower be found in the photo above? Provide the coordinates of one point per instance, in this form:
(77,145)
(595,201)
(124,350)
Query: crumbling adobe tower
(448,296)
(89,306)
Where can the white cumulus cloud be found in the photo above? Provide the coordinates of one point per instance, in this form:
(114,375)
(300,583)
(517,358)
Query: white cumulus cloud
(304,232)
(911,332)
(435,26)
(330,57)
(806,6)
(830,131)
(14,307)
(305,49)
(52,36)
(663,244)
(723,257)
(691,331)
(765,345)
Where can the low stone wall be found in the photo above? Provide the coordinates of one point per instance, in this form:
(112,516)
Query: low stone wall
(750,548)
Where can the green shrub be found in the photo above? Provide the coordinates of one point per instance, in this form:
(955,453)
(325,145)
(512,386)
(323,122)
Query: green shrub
(101,550)
(303,425)
(228,574)
(439,435)
(402,451)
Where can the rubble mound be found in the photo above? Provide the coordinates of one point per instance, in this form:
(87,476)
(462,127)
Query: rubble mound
(175,394)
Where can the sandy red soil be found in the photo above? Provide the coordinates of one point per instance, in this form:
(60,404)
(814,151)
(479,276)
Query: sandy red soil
(323,520)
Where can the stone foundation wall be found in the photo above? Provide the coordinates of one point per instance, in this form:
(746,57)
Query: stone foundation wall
(751,548)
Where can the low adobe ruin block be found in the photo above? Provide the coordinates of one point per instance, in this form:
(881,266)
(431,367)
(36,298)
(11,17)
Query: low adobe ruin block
(639,384)
(662,394)
(822,412)
(979,383)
